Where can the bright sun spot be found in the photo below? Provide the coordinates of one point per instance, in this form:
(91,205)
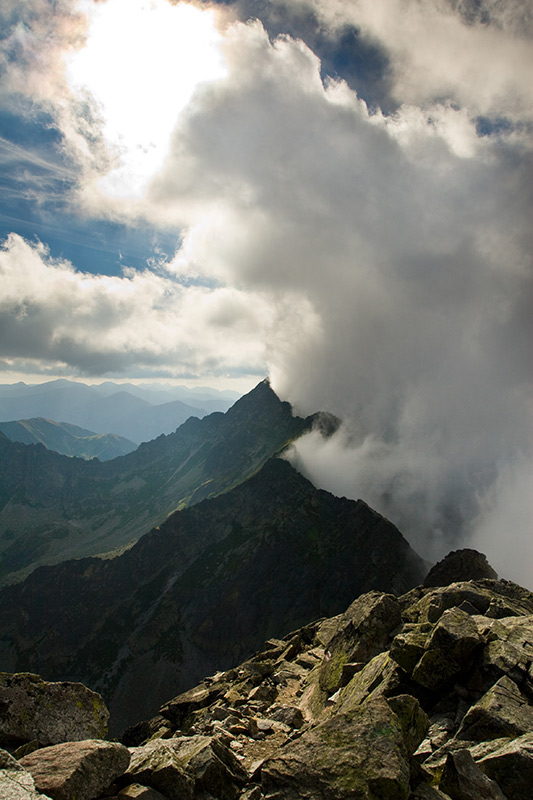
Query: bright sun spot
(142,62)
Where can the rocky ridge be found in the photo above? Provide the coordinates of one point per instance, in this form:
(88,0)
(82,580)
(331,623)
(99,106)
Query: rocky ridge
(423,696)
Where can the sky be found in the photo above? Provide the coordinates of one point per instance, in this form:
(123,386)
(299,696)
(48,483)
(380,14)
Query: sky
(333,193)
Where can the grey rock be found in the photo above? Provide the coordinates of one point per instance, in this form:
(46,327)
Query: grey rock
(48,712)
(365,632)
(462,779)
(181,766)
(289,715)
(137,792)
(324,763)
(511,766)
(76,770)
(16,783)
(449,650)
(502,711)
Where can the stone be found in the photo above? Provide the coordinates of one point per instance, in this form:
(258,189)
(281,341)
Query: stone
(182,766)
(459,565)
(511,766)
(408,646)
(368,623)
(289,715)
(449,650)
(16,783)
(48,712)
(356,756)
(413,720)
(462,779)
(381,676)
(502,711)
(76,770)
(179,708)
(137,792)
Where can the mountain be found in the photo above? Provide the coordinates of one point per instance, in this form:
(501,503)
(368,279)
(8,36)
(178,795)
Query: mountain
(202,591)
(54,508)
(138,413)
(69,440)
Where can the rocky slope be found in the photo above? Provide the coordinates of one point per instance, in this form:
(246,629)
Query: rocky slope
(202,591)
(426,696)
(53,508)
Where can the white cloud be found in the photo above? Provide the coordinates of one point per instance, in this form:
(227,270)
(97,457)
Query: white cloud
(99,324)
(481,59)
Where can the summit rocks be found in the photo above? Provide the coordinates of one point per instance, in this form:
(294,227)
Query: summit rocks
(282,725)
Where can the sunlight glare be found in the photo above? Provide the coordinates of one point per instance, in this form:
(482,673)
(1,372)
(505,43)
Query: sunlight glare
(142,62)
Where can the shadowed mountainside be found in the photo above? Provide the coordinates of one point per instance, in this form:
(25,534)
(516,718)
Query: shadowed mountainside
(202,591)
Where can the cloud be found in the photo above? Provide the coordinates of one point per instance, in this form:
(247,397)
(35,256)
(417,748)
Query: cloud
(475,54)
(97,324)
(381,264)
(409,238)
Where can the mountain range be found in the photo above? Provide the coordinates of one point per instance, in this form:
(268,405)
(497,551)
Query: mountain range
(137,413)
(67,439)
(54,508)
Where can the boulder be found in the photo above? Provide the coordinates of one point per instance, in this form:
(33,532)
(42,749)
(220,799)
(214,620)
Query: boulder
(16,783)
(184,765)
(356,756)
(502,711)
(462,779)
(511,766)
(413,720)
(365,632)
(76,770)
(449,650)
(48,712)
(460,565)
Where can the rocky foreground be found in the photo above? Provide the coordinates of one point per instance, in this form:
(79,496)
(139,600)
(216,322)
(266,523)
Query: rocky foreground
(424,696)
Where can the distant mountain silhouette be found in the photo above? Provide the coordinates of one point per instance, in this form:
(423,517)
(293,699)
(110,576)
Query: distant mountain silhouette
(69,440)
(133,412)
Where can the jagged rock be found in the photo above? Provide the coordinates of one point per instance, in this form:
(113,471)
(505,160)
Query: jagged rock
(460,565)
(509,651)
(462,779)
(363,634)
(413,720)
(137,792)
(179,708)
(408,646)
(76,770)
(380,677)
(289,715)
(511,766)
(16,783)
(502,711)
(48,712)
(178,767)
(324,763)
(449,650)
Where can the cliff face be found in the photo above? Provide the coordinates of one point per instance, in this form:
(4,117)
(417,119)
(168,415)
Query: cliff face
(53,508)
(426,696)
(202,591)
